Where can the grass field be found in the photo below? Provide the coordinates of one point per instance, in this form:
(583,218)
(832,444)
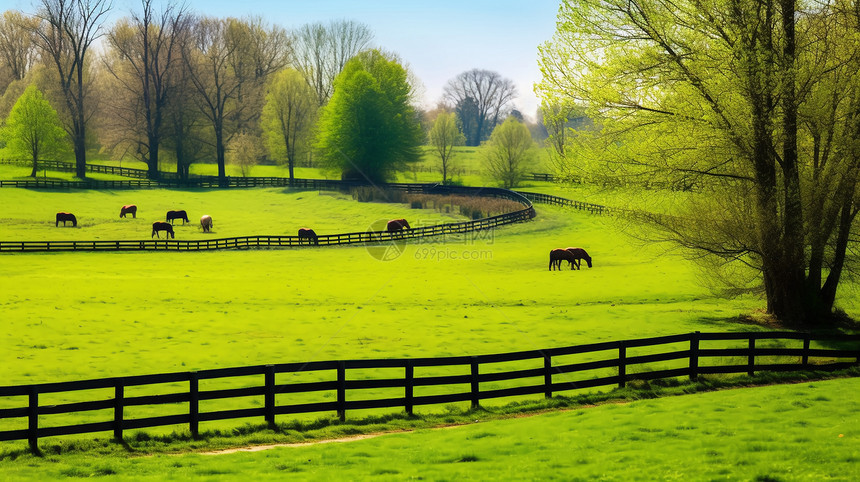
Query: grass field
(71,316)
(787,432)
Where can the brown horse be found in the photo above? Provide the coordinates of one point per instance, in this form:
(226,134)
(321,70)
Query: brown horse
(309,234)
(556,256)
(128,209)
(162,226)
(206,223)
(66,217)
(578,255)
(397,225)
(171,215)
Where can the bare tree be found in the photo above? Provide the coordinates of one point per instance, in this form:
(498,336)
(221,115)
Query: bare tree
(146,53)
(18,51)
(66,30)
(260,50)
(481,98)
(322,51)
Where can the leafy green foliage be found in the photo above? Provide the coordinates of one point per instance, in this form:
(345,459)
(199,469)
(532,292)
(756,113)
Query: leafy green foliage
(444,136)
(33,129)
(369,129)
(510,153)
(753,106)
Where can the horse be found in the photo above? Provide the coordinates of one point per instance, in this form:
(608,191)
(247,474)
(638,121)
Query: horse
(128,209)
(578,255)
(171,215)
(66,217)
(556,256)
(309,234)
(397,225)
(162,226)
(206,223)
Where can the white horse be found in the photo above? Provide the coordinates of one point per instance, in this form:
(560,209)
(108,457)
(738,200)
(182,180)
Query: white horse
(206,223)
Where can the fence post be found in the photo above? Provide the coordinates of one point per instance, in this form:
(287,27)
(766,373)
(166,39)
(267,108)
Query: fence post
(806,341)
(409,386)
(622,364)
(547,375)
(118,399)
(751,357)
(193,404)
(475,385)
(270,395)
(341,390)
(694,356)
(33,420)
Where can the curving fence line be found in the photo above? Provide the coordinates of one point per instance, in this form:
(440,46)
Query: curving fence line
(265,241)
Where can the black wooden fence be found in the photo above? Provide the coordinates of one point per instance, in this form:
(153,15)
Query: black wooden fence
(537,197)
(548,376)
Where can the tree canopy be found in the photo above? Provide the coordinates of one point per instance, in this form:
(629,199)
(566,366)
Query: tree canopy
(33,129)
(369,128)
(755,105)
(509,152)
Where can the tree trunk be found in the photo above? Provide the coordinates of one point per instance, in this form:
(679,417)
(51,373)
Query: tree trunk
(219,154)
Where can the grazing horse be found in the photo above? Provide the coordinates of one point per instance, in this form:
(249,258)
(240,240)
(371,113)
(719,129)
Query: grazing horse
(397,225)
(206,223)
(558,255)
(309,234)
(171,215)
(128,209)
(66,217)
(162,226)
(578,255)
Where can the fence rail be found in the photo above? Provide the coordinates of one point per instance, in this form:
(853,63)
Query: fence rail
(548,375)
(537,197)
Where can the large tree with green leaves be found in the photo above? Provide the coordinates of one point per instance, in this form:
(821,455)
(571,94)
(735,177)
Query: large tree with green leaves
(444,136)
(33,128)
(756,103)
(369,129)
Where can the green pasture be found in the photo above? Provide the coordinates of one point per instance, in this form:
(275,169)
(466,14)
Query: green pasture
(71,316)
(786,432)
(95,314)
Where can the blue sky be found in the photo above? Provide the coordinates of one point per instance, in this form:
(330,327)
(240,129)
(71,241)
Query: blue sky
(438,38)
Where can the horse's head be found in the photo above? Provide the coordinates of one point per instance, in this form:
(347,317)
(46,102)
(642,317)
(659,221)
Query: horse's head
(588,261)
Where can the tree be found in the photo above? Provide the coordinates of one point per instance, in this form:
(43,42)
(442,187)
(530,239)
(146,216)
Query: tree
(369,129)
(207,61)
(244,151)
(288,116)
(480,98)
(259,50)
(443,137)
(33,128)
(321,52)
(509,152)
(755,103)
(144,57)
(65,33)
